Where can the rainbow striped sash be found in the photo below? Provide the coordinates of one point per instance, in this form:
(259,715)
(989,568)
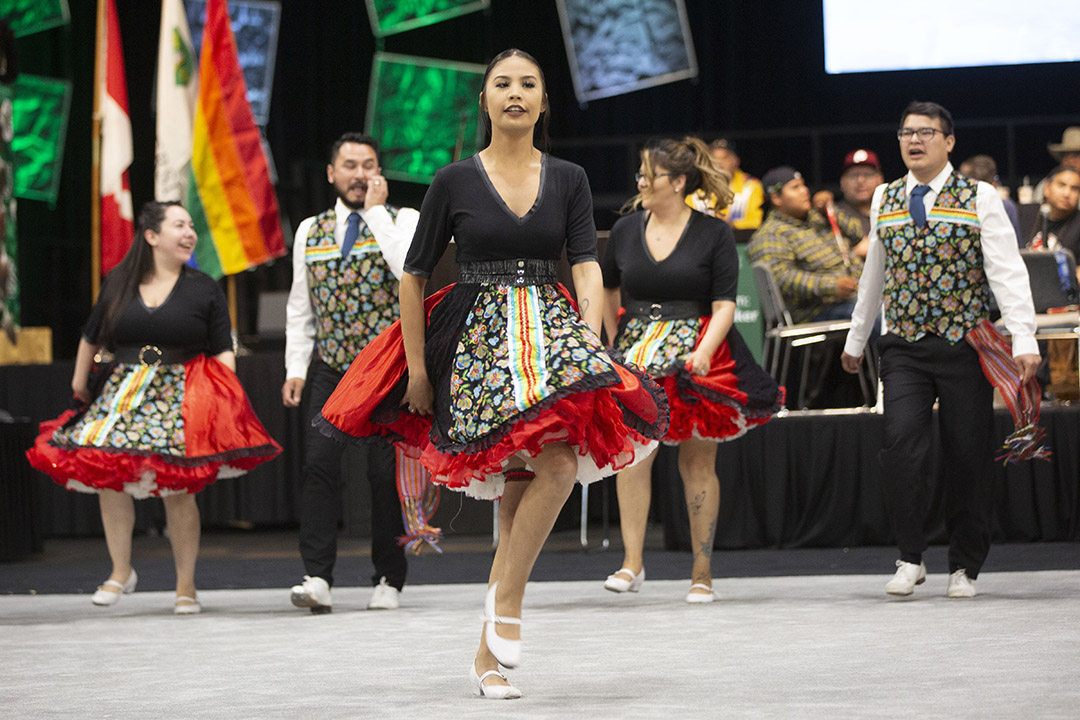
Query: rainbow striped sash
(995,356)
(419,499)
(643,352)
(128,396)
(527,346)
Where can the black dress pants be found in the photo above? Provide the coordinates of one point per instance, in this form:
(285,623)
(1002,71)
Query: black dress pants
(914,374)
(321,494)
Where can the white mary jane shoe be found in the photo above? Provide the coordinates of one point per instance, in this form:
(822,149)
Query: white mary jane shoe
(190,606)
(616,584)
(492,692)
(507,652)
(105,597)
(698,598)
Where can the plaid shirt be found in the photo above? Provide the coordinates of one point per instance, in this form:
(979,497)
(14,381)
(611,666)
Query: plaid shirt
(805,259)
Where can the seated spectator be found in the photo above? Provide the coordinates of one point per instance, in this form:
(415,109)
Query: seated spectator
(815,268)
(1066,152)
(744,212)
(983,167)
(1058,223)
(859,177)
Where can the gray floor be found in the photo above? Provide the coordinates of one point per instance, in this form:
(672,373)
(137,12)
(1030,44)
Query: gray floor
(825,646)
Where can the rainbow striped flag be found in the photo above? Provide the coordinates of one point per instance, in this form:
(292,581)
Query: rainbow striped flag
(230,196)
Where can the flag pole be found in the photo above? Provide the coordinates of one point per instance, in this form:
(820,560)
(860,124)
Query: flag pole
(95,161)
(230,287)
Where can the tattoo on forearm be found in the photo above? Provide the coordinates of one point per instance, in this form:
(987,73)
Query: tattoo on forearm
(584,305)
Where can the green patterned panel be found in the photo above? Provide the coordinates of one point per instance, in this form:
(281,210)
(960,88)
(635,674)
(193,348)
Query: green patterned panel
(423,112)
(394,16)
(31,16)
(40,117)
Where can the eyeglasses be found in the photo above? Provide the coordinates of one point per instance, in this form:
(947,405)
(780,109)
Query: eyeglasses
(638,177)
(925,133)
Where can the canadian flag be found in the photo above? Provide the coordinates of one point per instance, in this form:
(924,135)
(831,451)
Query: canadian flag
(117,218)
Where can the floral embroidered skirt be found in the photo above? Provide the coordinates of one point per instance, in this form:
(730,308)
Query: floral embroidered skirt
(513,368)
(734,396)
(156,430)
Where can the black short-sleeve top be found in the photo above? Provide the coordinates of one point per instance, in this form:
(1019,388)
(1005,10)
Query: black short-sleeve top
(195,315)
(703,267)
(462,204)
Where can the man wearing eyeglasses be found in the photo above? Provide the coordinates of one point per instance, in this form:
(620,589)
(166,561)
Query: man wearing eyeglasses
(939,242)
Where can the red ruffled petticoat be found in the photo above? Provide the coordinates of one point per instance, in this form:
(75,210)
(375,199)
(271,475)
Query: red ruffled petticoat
(611,425)
(735,396)
(222,438)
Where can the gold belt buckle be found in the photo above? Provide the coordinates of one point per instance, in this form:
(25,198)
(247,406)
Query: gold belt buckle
(150,348)
(655,312)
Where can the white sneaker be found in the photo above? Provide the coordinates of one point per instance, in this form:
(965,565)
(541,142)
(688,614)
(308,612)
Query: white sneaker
(313,593)
(384,597)
(907,576)
(960,585)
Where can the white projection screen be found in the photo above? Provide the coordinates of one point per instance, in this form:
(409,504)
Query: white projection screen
(618,46)
(863,36)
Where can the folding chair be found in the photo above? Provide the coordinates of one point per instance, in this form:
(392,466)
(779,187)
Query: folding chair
(782,334)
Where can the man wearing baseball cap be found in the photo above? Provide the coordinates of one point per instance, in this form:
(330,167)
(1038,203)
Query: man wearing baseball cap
(815,268)
(859,175)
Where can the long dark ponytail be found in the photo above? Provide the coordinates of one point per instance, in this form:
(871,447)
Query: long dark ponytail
(123,280)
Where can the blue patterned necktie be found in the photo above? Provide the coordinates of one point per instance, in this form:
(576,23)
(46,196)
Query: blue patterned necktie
(351,233)
(916,206)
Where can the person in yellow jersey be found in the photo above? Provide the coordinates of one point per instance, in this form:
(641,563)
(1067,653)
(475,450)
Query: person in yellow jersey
(744,212)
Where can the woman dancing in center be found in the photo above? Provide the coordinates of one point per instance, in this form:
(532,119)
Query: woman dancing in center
(503,370)
(677,271)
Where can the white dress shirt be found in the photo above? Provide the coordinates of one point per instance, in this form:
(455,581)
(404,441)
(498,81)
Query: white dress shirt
(1005,270)
(392,237)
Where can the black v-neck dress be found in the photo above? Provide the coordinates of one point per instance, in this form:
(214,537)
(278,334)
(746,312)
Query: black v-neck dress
(736,394)
(170,418)
(512,364)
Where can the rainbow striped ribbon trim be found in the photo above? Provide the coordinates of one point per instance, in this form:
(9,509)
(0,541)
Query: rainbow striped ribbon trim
(956,216)
(128,396)
(527,346)
(643,352)
(330,251)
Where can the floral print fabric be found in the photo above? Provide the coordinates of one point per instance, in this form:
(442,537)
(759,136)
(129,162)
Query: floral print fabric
(934,277)
(519,348)
(354,298)
(154,423)
(658,346)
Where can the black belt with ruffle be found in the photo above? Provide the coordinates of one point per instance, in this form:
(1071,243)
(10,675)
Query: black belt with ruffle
(524,271)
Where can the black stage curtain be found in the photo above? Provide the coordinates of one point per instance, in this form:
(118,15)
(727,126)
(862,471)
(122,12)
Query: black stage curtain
(798,481)
(814,481)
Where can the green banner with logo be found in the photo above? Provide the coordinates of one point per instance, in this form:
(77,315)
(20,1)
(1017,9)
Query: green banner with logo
(40,117)
(748,307)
